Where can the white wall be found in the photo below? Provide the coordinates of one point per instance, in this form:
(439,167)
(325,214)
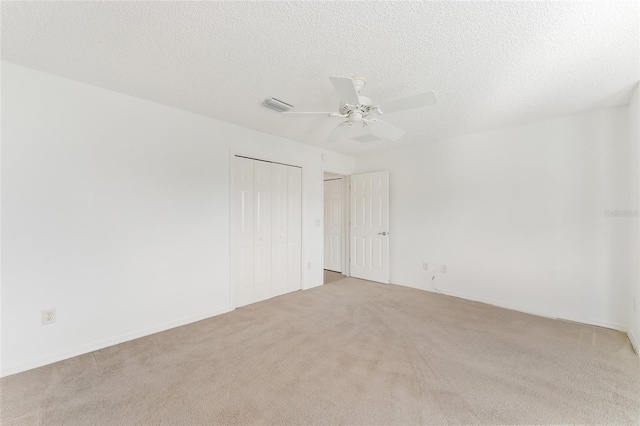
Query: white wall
(517,215)
(634,157)
(116,213)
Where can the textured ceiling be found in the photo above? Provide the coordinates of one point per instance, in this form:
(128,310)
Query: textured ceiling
(493,64)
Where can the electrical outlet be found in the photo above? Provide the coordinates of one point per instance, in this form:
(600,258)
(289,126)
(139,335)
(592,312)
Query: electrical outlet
(308,265)
(48,316)
(425,266)
(443,269)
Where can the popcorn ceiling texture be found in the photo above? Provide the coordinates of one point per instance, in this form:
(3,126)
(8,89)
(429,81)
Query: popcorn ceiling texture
(493,64)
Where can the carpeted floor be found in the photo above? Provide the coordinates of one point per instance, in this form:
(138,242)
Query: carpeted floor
(349,352)
(331,276)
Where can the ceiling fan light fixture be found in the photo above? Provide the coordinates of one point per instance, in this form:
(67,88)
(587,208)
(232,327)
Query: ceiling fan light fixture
(276,105)
(355,117)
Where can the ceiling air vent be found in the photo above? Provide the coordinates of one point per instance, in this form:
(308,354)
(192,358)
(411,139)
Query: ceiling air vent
(366,138)
(276,104)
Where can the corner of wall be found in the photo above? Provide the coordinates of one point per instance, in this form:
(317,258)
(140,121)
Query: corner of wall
(634,204)
(635,343)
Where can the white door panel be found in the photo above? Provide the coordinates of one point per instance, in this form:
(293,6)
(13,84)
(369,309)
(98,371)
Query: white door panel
(279,269)
(294,278)
(262,231)
(294,228)
(370,226)
(243,199)
(333,225)
(280,256)
(245,270)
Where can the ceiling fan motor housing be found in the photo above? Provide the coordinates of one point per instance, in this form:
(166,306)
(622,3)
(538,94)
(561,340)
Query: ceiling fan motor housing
(364,106)
(358,82)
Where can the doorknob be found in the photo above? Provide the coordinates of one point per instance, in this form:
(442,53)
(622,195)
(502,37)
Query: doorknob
(382,233)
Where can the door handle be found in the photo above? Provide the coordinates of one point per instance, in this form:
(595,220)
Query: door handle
(382,233)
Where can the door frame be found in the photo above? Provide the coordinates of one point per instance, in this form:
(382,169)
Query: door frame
(346,199)
(339,184)
(235,152)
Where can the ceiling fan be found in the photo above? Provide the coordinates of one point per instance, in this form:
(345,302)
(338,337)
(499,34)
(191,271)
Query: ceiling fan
(360,110)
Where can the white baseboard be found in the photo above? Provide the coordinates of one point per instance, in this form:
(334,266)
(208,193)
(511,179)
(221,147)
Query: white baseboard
(312,286)
(587,321)
(101,344)
(634,342)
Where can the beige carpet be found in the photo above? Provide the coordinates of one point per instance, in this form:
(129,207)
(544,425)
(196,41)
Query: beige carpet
(331,276)
(350,352)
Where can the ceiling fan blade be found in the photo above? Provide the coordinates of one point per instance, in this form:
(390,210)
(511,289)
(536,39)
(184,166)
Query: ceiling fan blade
(346,90)
(337,133)
(306,114)
(416,101)
(385,130)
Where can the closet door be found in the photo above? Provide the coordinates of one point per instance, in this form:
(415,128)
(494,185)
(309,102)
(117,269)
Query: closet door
(243,209)
(262,231)
(279,213)
(294,228)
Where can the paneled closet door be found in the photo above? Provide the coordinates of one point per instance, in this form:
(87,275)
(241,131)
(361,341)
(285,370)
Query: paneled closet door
(279,193)
(294,228)
(267,229)
(262,230)
(243,208)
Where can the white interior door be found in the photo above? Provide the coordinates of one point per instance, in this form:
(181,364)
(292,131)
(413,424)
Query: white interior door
(243,210)
(333,225)
(369,229)
(262,230)
(279,255)
(294,228)
(267,208)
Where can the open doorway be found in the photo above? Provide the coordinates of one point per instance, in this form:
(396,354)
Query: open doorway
(335,220)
